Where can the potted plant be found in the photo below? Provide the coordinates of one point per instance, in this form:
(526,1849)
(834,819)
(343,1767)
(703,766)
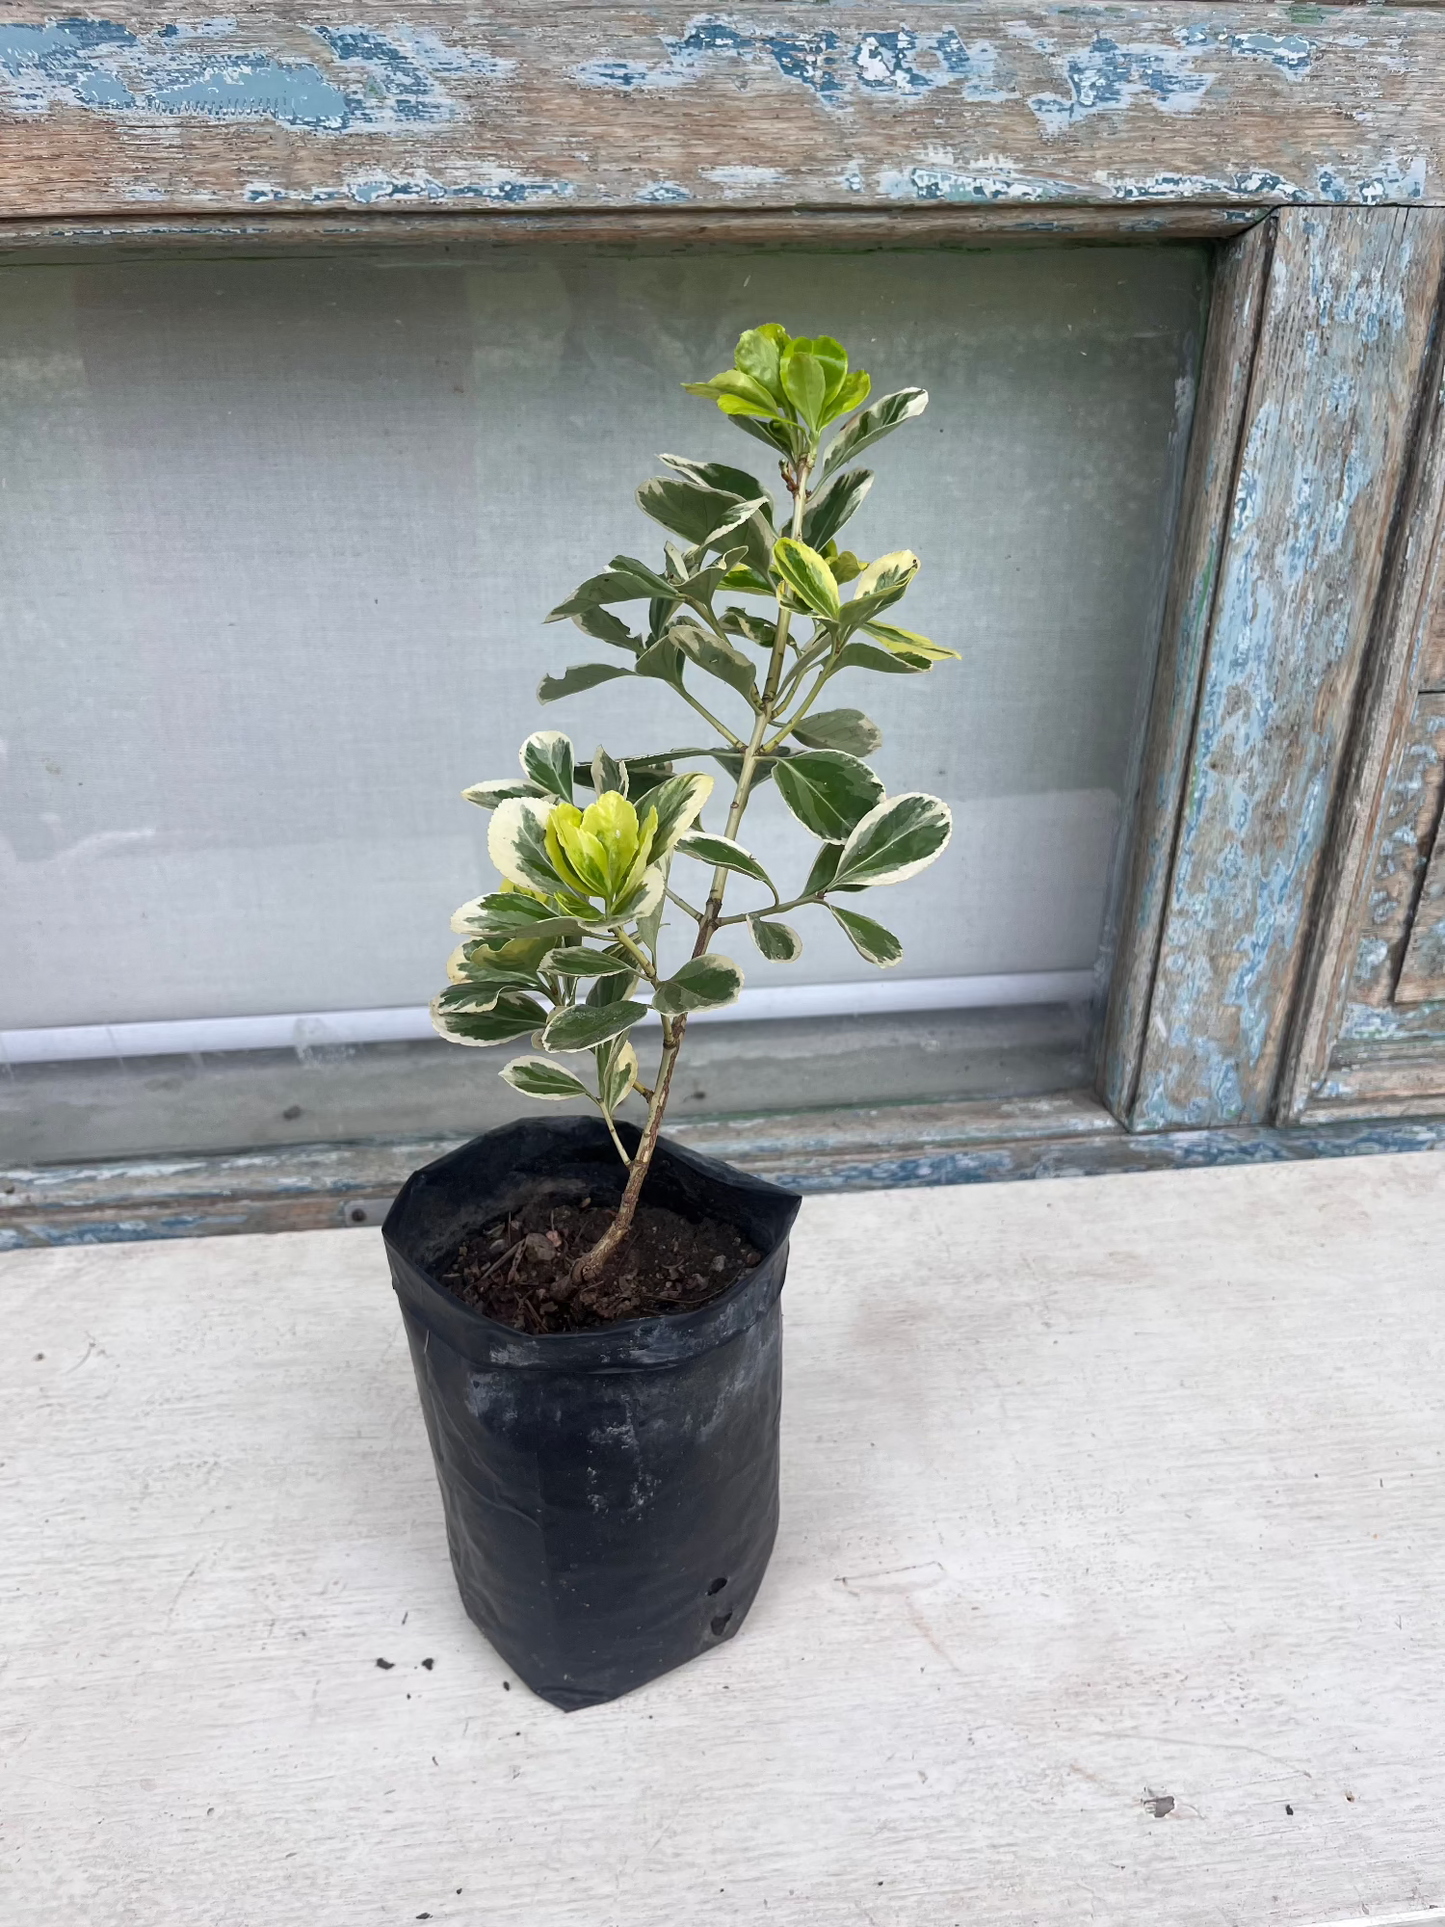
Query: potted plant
(593,1310)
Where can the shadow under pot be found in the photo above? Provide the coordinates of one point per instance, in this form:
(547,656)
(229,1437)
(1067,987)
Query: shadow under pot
(611,1495)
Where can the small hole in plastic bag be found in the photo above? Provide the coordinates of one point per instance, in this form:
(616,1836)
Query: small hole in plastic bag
(716,1586)
(720,1624)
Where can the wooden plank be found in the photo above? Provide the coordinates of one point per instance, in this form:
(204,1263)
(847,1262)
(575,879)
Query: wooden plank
(1432,668)
(1103,1591)
(1407,828)
(1349,318)
(1227,368)
(1386,1081)
(1422,975)
(299,108)
(315,1187)
(626,230)
(1370,872)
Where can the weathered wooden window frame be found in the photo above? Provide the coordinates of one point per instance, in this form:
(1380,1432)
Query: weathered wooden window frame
(1307,144)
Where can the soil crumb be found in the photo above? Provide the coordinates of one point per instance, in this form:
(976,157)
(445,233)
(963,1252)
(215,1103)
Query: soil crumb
(518,1269)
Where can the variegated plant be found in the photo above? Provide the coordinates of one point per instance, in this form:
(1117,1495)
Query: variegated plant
(568,948)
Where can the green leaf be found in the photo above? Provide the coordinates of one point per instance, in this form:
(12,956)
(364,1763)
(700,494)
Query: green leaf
(512,1016)
(703,983)
(908,642)
(775,434)
(833,504)
(702,515)
(539,1077)
(608,773)
(872,942)
(623,582)
(601,624)
(572,960)
(754,629)
(895,840)
(735,393)
(886,414)
(807,575)
(720,475)
(804,383)
(547,758)
(748,581)
(517,843)
(779,942)
(723,853)
(679,802)
(846,729)
(662,659)
(829,792)
(587,1025)
(825,868)
(488,795)
(616,1072)
(732,761)
(757,355)
(717,657)
(881,584)
(852,390)
(862,655)
(582,675)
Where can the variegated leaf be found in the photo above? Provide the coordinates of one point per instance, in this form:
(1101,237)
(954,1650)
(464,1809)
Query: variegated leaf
(517,842)
(616,1072)
(539,1077)
(546,756)
(872,942)
(896,840)
(779,942)
(828,791)
(487,795)
(586,1026)
(723,853)
(679,802)
(703,983)
(511,1016)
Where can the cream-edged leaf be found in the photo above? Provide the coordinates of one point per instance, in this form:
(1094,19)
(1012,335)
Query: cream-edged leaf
(872,942)
(896,840)
(581,675)
(807,575)
(513,1015)
(487,795)
(517,842)
(779,942)
(585,1026)
(703,983)
(540,1077)
(546,757)
(828,791)
(679,802)
(723,853)
(616,1072)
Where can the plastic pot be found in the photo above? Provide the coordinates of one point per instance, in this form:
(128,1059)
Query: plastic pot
(611,1496)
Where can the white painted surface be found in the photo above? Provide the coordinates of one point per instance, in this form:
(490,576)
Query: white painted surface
(303,1030)
(1094,1493)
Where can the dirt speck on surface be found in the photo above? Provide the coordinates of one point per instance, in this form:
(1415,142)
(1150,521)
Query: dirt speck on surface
(518,1269)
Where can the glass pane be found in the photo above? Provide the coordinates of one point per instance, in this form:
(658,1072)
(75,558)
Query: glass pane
(277,540)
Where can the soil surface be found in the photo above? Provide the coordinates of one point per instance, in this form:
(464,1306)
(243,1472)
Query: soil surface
(518,1269)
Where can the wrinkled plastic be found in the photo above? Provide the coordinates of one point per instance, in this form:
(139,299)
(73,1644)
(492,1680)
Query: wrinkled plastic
(611,1496)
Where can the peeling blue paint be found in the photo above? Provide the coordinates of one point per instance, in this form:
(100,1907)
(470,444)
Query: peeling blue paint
(664,192)
(1292,54)
(1109,77)
(966,184)
(386,81)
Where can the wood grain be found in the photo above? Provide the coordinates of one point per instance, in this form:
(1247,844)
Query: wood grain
(1404,835)
(1422,974)
(1105,1591)
(1432,668)
(431,106)
(1231,343)
(1348,323)
(1371,875)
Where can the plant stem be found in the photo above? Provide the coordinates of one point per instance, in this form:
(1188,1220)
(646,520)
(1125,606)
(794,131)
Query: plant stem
(591,1266)
(674,1028)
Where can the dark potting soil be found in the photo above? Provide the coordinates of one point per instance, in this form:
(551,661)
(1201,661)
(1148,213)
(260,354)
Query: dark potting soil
(518,1269)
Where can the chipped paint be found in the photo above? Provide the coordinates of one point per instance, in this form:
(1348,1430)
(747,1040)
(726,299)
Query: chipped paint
(1108,77)
(1307,517)
(385,81)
